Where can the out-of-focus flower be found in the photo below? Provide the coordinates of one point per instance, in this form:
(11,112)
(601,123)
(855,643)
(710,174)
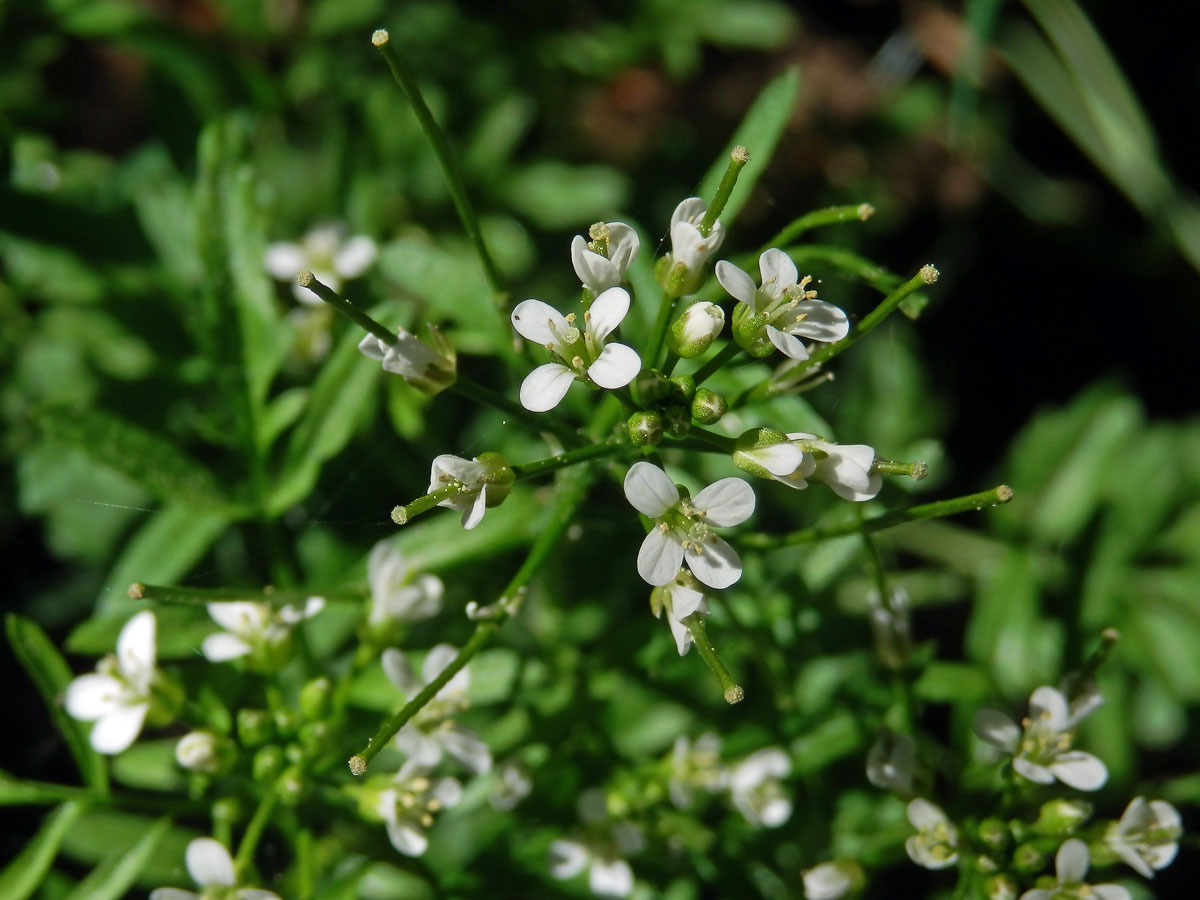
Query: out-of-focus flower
(696,765)
(601,262)
(891,627)
(832,880)
(327,253)
(1041,745)
(409,804)
(892,762)
(199,751)
(482,482)
(397,596)
(756,790)
(1147,836)
(511,783)
(1071,865)
(429,369)
(935,845)
(211,867)
(602,852)
(254,628)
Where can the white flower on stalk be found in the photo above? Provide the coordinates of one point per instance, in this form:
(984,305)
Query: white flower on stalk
(327,253)
(199,751)
(577,354)
(602,851)
(682,529)
(511,783)
(601,262)
(696,765)
(481,482)
(935,845)
(678,599)
(846,468)
(781,311)
(409,805)
(117,695)
(1147,836)
(690,250)
(211,867)
(253,627)
(695,329)
(429,369)
(756,790)
(433,731)
(832,880)
(1041,745)
(396,596)
(1071,865)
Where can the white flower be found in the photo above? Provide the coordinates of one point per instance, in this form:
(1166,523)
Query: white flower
(117,695)
(696,328)
(690,250)
(408,806)
(511,783)
(892,762)
(601,263)
(326,252)
(578,354)
(481,482)
(679,599)
(767,453)
(601,853)
(756,791)
(683,526)
(429,369)
(1071,865)
(395,595)
(779,310)
(253,627)
(211,866)
(935,845)
(846,468)
(1042,748)
(696,764)
(891,626)
(198,751)
(832,880)
(1147,837)
(433,731)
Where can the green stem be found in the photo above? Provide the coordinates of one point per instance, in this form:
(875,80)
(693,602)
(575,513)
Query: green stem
(731,689)
(916,470)
(869,322)
(569,498)
(445,157)
(738,158)
(193,596)
(306,279)
(719,442)
(829,216)
(254,830)
(402,515)
(537,467)
(728,352)
(670,363)
(659,334)
(953,506)
(485,396)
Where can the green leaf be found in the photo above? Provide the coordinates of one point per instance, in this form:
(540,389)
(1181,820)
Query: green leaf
(51,674)
(118,872)
(281,413)
(100,834)
(953,682)
(20,792)
(759,132)
(151,766)
(24,873)
(556,195)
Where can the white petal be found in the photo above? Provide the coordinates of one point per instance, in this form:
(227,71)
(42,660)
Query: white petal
(1110,892)
(873,484)
(775,812)
(456,468)
(447,791)
(924,815)
(94,695)
(467,748)
(822,321)
(780,460)
(729,501)
(623,245)
(717,564)
(778,272)
(567,858)
(1037,894)
(1048,704)
(244,617)
(1079,770)
(1071,862)
(659,558)
(789,346)
(173,894)
(594,271)
(533,320)
(545,386)
(770,762)
(649,490)
(209,863)
(679,631)
(223,647)
(690,210)
(256,894)
(997,728)
(1132,858)
(419,747)
(839,471)
(615,367)
(737,283)
(373,348)
(407,839)
(1032,771)
(607,311)
(685,601)
(473,514)
(610,878)
(399,672)
(136,648)
(284,260)
(118,729)
(355,256)
(436,661)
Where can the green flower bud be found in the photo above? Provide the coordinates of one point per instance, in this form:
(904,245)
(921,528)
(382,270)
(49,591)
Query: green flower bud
(1062,816)
(708,406)
(1001,887)
(677,420)
(750,331)
(225,812)
(314,698)
(287,720)
(683,386)
(693,332)
(650,386)
(645,428)
(752,454)
(313,736)
(1028,859)
(290,786)
(254,727)
(267,762)
(994,834)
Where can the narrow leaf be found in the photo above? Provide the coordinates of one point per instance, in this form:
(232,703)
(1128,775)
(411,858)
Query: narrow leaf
(116,875)
(21,877)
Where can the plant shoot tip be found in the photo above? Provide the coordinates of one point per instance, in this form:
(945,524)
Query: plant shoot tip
(1004,493)
(305,278)
(740,154)
(400,515)
(929,273)
(734,694)
(380,37)
(136,591)
(358,765)
(865,211)
(1110,635)
(919,470)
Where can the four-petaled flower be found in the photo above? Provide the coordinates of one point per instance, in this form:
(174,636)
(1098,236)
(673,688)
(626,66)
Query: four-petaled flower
(396,596)
(1071,865)
(211,867)
(682,270)
(846,468)
(479,483)
(601,262)
(326,252)
(408,806)
(682,529)
(782,308)
(117,695)
(1147,837)
(602,852)
(428,369)
(254,628)
(935,845)
(576,353)
(1042,747)
(433,731)
(757,792)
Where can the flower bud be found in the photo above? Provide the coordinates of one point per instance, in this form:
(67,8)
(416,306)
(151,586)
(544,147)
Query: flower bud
(1000,887)
(1028,859)
(994,834)
(254,727)
(677,420)
(683,386)
(651,386)
(290,786)
(313,736)
(750,331)
(693,332)
(498,476)
(201,751)
(1062,816)
(314,698)
(708,406)
(645,428)
(766,453)
(225,812)
(287,720)
(267,762)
